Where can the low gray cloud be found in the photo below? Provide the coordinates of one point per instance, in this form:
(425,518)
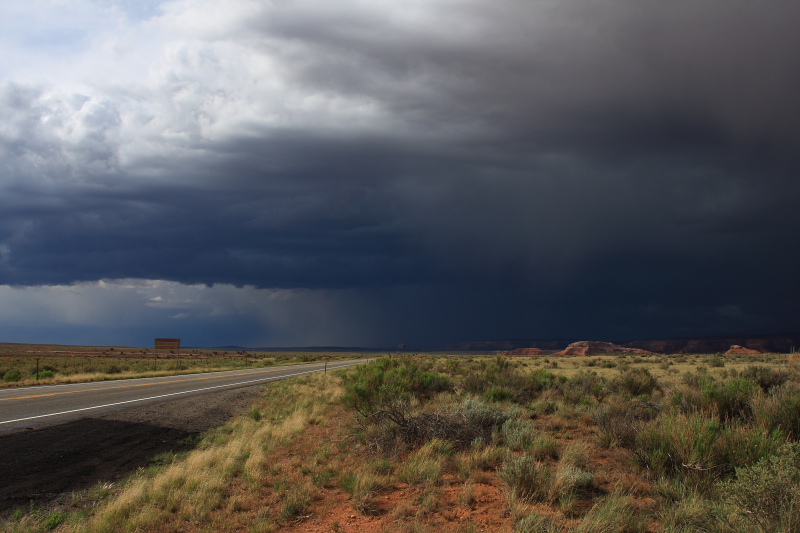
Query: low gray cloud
(449,170)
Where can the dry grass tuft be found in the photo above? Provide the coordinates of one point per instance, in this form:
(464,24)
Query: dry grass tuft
(191,489)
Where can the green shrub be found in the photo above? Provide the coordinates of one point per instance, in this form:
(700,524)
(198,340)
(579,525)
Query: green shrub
(480,414)
(580,388)
(459,425)
(779,411)
(518,434)
(699,448)
(536,523)
(43,374)
(576,454)
(322,477)
(698,380)
(765,377)
(768,492)
(348,481)
(541,380)
(12,375)
(531,481)
(570,480)
(498,394)
(474,382)
(463,424)
(381,466)
(544,407)
(612,515)
(421,470)
(363,488)
(742,445)
(498,380)
(621,422)
(695,514)
(730,399)
(480,457)
(687,399)
(383,390)
(636,382)
(53,520)
(296,501)
(678,444)
(527,480)
(437,447)
(543,446)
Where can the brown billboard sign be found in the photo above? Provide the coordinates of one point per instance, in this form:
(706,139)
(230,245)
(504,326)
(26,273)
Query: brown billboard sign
(168,344)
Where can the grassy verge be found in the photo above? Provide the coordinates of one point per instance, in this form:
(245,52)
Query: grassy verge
(239,469)
(29,365)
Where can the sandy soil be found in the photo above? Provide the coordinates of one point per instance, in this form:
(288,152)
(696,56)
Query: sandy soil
(45,462)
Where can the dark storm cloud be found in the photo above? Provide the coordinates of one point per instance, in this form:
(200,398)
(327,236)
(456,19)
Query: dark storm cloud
(511,169)
(239,235)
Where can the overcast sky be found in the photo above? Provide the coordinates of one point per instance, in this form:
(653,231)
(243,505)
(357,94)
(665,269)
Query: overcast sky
(374,172)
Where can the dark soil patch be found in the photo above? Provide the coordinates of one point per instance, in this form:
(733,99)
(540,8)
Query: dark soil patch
(41,463)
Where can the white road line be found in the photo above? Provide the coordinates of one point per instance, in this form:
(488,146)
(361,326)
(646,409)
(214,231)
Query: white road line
(160,396)
(114,382)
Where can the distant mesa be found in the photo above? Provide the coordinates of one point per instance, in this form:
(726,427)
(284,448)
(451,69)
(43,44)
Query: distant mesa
(597,348)
(524,351)
(766,343)
(776,343)
(740,350)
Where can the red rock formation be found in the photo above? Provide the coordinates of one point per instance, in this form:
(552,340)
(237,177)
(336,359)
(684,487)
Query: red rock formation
(524,351)
(740,350)
(780,343)
(598,347)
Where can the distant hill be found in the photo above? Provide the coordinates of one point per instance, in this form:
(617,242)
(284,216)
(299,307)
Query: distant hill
(778,343)
(599,347)
(775,343)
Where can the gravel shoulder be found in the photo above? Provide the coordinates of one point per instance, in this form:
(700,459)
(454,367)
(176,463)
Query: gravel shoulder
(40,464)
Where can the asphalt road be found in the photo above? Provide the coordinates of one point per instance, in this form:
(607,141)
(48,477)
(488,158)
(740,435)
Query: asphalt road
(31,406)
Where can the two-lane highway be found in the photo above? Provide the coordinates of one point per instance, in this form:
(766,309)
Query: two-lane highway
(25,407)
